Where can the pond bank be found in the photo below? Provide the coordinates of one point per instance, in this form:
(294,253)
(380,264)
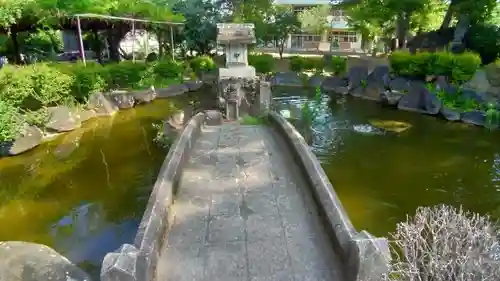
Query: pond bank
(62,119)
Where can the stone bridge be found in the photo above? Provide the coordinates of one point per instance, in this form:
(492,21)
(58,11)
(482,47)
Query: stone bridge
(238,202)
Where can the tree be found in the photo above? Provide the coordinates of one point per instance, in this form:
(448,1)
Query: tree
(200,29)
(284,22)
(315,20)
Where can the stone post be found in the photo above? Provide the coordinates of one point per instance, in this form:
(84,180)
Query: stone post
(264,96)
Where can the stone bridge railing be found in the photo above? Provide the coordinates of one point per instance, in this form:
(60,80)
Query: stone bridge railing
(366,258)
(137,262)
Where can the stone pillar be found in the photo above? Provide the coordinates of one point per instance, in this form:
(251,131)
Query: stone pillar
(264,96)
(288,42)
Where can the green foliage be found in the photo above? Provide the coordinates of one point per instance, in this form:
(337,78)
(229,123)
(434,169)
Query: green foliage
(457,101)
(299,64)
(338,65)
(38,118)
(311,109)
(314,20)
(34,86)
(485,40)
(10,122)
(458,67)
(251,120)
(492,116)
(202,64)
(263,63)
(161,139)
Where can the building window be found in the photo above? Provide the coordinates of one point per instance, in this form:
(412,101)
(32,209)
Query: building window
(345,36)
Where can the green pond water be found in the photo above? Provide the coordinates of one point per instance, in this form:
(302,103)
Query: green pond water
(383,177)
(84,193)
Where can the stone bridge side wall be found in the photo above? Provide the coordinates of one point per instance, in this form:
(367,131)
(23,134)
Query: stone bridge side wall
(366,258)
(138,262)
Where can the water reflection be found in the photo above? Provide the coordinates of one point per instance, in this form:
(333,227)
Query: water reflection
(84,192)
(385,163)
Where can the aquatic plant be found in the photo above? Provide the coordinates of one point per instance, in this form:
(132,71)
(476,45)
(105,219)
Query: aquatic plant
(311,109)
(492,116)
(161,138)
(446,244)
(456,101)
(253,120)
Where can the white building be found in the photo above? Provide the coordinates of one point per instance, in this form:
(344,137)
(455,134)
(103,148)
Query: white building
(340,36)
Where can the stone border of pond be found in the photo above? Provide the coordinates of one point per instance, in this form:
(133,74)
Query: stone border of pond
(364,256)
(138,261)
(399,92)
(65,119)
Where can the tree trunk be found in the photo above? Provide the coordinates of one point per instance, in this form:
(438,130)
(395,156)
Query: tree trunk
(461,29)
(402,27)
(114,36)
(447,17)
(15,45)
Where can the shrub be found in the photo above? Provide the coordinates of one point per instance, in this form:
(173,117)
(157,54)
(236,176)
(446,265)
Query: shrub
(446,244)
(34,86)
(338,65)
(299,64)
(87,80)
(166,69)
(465,66)
(10,122)
(202,64)
(126,74)
(458,67)
(263,63)
(296,64)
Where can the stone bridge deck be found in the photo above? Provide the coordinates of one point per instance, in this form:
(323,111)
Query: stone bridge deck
(244,212)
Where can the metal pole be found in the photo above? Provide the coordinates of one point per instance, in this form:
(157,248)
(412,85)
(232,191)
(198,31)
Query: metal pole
(172,42)
(80,39)
(147,43)
(133,41)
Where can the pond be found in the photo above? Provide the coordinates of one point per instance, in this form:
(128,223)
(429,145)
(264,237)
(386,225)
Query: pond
(84,193)
(382,176)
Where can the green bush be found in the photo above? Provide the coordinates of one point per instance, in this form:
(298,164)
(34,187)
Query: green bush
(338,65)
(458,67)
(124,75)
(34,86)
(296,64)
(465,66)
(10,122)
(263,63)
(299,64)
(202,64)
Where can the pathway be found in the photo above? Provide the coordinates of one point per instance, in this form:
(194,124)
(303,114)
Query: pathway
(243,213)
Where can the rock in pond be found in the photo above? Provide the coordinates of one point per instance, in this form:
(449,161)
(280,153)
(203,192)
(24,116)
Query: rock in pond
(376,84)
(122,99)
(172,90)
(356,76)
(334,84)
(477,118)
(399,85)
(24,261)
(287,79)
(391,98)
(30,138)
(102,105)
(62,119)
(419,99)
(316,80)
(144,96)
(450,114)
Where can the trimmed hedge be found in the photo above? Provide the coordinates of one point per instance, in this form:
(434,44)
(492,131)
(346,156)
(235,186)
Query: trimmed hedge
(299,64)
(28,89)
(458,67)
(263,63)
